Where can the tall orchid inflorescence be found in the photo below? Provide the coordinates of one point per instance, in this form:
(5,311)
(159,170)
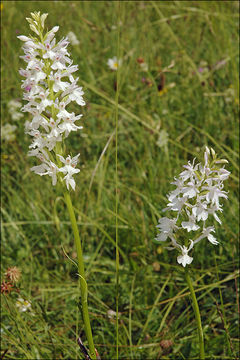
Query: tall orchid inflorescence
(49,88)
(194,201)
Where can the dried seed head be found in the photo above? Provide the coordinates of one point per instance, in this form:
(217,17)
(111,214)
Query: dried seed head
(165,344)
(13,274)
(156,266)
(6,287)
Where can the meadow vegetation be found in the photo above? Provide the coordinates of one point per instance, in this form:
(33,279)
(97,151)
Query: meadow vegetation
(185,99)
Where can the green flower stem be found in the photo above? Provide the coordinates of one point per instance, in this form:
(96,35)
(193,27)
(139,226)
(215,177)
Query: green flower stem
(83,284)
(58,150)
(197,315)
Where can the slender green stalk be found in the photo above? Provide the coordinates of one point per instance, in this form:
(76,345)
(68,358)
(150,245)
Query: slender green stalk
(197,315)
(223,316)
(116,185)
(83,284)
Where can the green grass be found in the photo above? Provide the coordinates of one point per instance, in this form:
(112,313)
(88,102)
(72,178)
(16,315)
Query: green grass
(153,305)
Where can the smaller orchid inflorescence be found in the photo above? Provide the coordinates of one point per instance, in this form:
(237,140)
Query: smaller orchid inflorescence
(194,201)
(49,88)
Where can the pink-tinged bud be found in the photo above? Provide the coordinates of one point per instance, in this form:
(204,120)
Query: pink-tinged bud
(221,161)
(23,38)
(28,88)
(55,29)
(23,73)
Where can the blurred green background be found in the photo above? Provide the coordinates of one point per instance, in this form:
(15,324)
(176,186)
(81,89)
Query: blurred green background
(187,99)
